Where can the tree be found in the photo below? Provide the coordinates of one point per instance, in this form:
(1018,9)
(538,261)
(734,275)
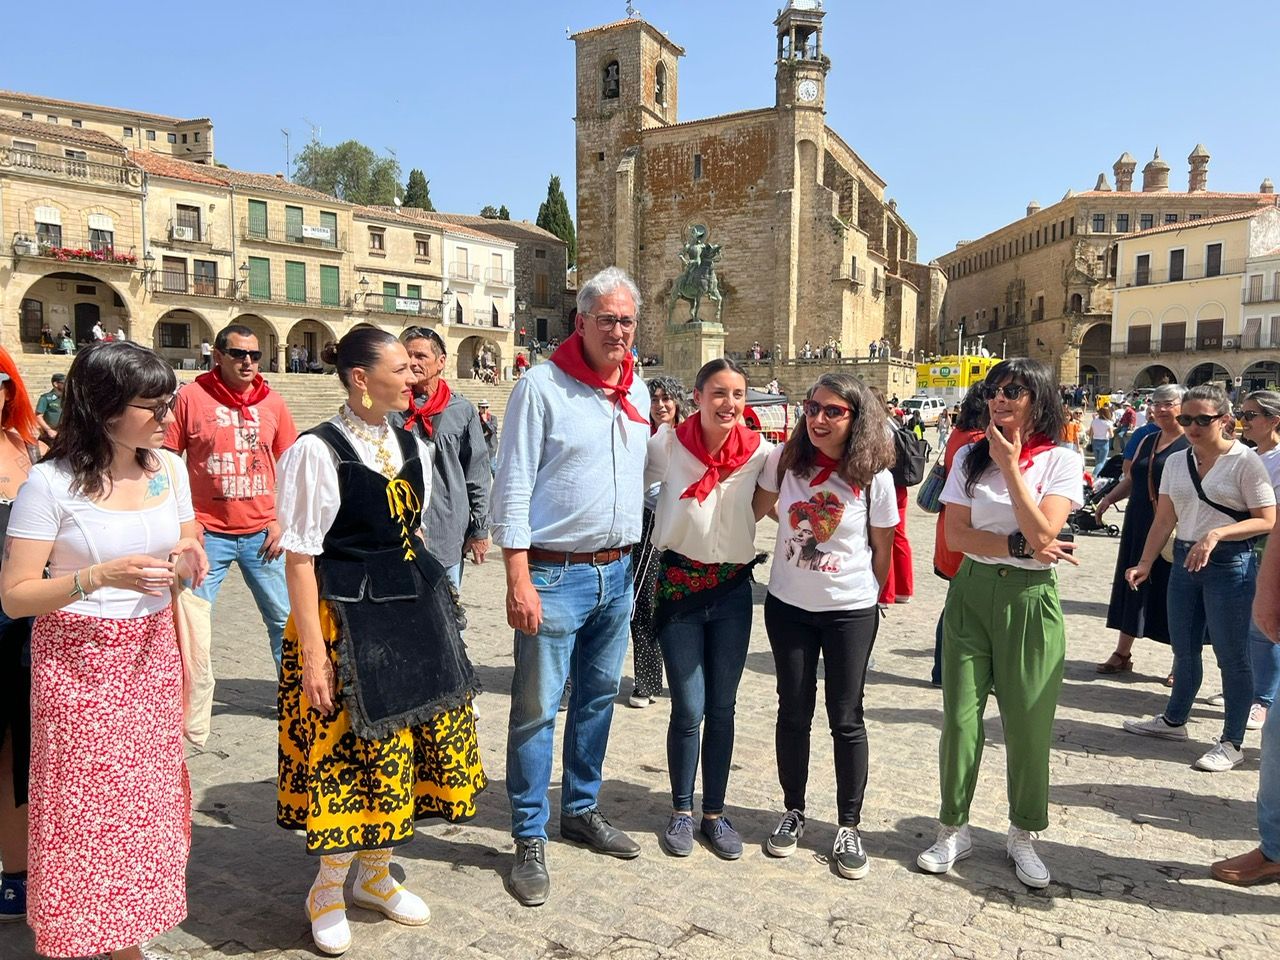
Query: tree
(490,212)
(504,213)
(417,192)
(553,216)
(350,171)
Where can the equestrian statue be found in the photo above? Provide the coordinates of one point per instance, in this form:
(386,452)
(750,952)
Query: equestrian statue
(698,280)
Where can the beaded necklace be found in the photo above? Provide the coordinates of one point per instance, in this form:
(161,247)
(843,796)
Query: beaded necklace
(375,437)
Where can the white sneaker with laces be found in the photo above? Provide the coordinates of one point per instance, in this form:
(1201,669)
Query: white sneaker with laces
(1026,862)
(953,844)
(1156,727)
(1223,757)
(1257,717)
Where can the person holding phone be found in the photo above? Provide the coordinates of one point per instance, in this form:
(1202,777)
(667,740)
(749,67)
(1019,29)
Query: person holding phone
(1219,499)
(1007,497)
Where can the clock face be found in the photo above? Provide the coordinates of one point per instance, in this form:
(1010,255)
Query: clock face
(807,91)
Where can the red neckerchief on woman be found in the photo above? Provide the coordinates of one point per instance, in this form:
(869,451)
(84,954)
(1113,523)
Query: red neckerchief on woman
(571,358)
(433,405)
(826,466)
(737,449)
(1036,443)
(213,385)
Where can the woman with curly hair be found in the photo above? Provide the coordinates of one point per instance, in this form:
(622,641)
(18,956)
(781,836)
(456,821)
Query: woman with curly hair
(835,543)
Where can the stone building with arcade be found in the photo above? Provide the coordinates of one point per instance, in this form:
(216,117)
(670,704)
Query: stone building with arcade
(813,249)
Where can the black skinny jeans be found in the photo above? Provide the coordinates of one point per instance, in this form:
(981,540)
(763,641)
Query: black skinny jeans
(844,638)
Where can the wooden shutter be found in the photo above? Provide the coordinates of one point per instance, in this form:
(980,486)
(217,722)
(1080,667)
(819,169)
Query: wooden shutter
(329,293)
(293,223)
(330,220)
(295,281)
(259,277)
(257,218)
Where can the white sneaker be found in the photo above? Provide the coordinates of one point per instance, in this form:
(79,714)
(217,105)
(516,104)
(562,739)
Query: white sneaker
(1156,727)
(1257,717)
(1026,862)
(639,701)
(953,844)
(1223,757)
(1217,700)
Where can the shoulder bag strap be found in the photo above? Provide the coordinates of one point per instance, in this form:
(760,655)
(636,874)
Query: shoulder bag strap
(1151,470)
(1236,515)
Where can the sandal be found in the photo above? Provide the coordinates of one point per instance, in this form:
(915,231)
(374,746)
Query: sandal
(1116,663)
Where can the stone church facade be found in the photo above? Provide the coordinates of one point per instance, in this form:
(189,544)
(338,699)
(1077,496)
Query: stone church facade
(813,249)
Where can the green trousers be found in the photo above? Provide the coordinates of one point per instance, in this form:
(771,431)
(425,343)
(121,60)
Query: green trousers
(1003,630)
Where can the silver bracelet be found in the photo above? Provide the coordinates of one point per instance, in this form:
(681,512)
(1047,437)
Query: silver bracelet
(76,589)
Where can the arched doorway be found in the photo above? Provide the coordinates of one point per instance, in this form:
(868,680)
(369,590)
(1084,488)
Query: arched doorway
(311,336)
(1263,375)
(72,300)
(1095,357)
(478,348)
(177,337)
(1154,376)
(1209,373)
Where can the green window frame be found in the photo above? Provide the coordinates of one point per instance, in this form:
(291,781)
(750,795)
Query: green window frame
(330,220)
(330,295)
(389,293)
(259,278)
(293,224)
(295,281)
(414,292)
(257,218)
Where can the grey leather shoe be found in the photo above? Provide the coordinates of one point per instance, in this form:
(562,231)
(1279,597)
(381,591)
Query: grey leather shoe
(594,829)
(530,882)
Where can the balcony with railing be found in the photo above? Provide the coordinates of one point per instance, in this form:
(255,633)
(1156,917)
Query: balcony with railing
(312,236)
(857,277)
(461,270)
(294,299)
(1250,340)
(403,306)
(176,283)
(499,278)
(65,248)
(1267,293)
(69,168)
(1192,271)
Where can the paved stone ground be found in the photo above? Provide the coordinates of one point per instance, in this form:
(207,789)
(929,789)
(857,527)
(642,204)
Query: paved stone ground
(1134,827)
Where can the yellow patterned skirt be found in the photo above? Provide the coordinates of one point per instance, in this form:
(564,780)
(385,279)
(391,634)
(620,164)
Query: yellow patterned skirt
(349,793)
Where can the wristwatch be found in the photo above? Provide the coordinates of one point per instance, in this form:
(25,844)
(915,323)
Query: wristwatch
(1018,546)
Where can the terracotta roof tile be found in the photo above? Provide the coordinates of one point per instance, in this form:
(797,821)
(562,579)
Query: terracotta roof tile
(1202,222)
(626,22)
(135,114)
(735,115)
(160,165)
(428,218)
(274,184)
(508,228)
(56,131)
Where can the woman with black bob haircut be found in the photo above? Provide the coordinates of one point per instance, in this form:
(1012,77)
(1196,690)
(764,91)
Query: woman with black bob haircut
(836,520)
(108,511)
(376,727)
(1007,497)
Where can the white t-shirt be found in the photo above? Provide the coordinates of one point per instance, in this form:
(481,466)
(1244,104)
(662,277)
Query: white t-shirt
(822,560)
(1058,471)
(84,533)
(1100,429)
(721,529)
(1139,417)
(1238,479)
(1271,460)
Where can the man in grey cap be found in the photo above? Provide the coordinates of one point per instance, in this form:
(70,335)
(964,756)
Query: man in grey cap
(49,407)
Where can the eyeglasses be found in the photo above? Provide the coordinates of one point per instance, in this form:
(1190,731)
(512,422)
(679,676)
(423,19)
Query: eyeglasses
(1011,391)
(1203,420)
(1165,404)
(236,353)
(832,411)
(160,409)
(607,321)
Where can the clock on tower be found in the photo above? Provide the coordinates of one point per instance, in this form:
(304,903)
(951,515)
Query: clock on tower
(802,66)
(807,91)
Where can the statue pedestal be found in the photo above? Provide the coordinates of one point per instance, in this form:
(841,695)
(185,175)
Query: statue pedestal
(687,346)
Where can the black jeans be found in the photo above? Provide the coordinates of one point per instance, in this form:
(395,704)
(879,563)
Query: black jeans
(844,638)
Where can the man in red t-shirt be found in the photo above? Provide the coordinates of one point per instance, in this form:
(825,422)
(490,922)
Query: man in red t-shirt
(232,428)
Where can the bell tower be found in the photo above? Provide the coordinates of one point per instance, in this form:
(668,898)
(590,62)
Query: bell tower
(802,66)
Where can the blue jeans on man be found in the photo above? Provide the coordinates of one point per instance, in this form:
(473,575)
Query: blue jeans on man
(1265,659)
(586,624)
(265,580)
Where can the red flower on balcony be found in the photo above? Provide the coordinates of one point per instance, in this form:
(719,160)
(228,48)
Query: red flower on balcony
(105,255)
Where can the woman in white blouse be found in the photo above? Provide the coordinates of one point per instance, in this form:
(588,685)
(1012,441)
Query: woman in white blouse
(1220,499)
(705,528)
(376,726)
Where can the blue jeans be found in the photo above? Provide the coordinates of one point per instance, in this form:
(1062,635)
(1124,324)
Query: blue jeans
(1265,659)
(1101,451)
(586,623)
(1215,603)
(1269,788)
(705,651)
(266,580)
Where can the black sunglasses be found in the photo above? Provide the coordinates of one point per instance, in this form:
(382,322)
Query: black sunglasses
(1203,420)
(1250,415)
(1011,391)
(160,409)
(237,353)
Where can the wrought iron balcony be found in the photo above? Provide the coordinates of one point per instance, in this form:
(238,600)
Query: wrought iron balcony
(174,283)
(1269,293)
(499,278)
(94,253)
(68,168)
(322,303)
(1250,340)
(460,270)
(403,306)
(309,235)
(1192,271)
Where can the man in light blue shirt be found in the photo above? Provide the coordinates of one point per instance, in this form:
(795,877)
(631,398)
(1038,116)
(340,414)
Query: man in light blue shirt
(567,505)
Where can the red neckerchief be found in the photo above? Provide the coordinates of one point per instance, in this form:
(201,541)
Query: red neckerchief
(738,447)
(213,385)
(570,358)
(1037,443)
(826,466)
(433,405)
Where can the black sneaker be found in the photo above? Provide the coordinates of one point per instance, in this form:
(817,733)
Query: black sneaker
(783,841)
(850,859)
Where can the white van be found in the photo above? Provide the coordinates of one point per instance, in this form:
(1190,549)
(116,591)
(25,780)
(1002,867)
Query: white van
(929,408)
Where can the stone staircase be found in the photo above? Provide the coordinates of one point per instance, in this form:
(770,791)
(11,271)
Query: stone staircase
(311,397)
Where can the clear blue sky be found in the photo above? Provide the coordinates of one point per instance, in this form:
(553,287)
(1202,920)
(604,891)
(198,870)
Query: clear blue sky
(967,110)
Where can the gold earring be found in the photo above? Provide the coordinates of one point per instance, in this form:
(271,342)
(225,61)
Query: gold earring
(366,402)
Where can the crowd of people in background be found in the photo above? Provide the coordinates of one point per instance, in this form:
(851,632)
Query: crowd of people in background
(626,513)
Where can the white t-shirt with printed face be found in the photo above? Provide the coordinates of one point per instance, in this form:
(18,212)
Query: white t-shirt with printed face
(822,559)
(1058,471)
(1238,479)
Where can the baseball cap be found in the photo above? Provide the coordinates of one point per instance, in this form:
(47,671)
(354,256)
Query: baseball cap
(58,377)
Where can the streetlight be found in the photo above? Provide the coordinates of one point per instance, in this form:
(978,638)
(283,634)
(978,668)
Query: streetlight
(364,287)
(148,264)
(244,274)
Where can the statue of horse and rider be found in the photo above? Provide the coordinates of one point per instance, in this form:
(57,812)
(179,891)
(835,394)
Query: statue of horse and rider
(698,282)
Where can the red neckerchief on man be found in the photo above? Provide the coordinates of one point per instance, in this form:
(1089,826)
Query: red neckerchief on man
(737,449)
(433,405)
(572,359)
(216,388)
(1036,443)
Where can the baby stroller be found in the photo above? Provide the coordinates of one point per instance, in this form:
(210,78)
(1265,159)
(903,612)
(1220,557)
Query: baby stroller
(1085,520)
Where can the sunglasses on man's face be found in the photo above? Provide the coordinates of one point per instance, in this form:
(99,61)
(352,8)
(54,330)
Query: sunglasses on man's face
(236,353)
(1203,420)
(1011,391)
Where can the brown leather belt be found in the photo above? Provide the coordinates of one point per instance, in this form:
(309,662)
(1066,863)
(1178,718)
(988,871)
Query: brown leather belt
(597,558)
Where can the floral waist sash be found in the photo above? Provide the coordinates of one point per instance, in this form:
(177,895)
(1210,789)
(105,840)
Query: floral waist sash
(685,584)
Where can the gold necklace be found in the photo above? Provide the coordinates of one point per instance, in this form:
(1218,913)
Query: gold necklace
(374,437)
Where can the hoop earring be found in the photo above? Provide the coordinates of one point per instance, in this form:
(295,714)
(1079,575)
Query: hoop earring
(366,402)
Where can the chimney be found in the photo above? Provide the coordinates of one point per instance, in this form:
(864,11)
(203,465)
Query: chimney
(1033,208)
(1267,186)
(1155,175)
(1102,185)
(1123,169)
(279,176)
(1198,178)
